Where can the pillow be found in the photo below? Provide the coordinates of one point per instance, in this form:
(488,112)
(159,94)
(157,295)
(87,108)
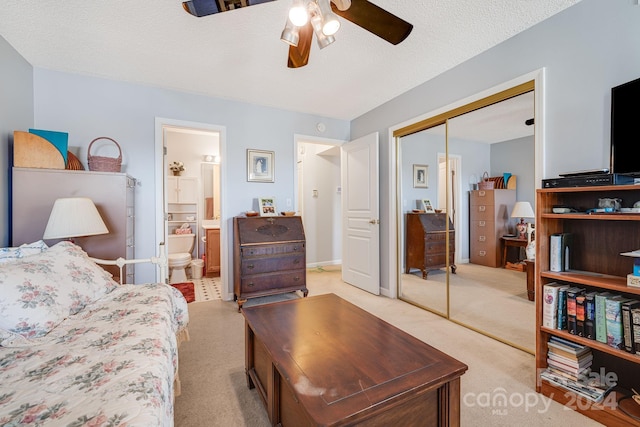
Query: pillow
(37,292)
(14,254)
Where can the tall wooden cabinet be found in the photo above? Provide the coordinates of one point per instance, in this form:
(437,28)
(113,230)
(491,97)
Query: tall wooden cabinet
(595,265)
(426,242)
(35,190)
(489,214)
(268,257)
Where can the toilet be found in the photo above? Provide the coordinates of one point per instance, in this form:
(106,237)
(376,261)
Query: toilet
(179,255)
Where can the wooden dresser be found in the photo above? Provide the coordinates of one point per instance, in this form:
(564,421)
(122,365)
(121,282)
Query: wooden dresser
(489,214)
(426,242)
(268,257)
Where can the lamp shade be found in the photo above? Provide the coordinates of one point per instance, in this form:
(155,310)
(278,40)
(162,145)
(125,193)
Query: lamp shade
(74,217)
(522,210)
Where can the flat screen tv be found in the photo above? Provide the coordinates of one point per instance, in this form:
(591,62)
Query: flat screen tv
(625,128)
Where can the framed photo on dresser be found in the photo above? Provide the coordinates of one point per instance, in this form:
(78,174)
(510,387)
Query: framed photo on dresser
(427,206)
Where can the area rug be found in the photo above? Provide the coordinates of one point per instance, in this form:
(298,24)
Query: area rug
(187,290)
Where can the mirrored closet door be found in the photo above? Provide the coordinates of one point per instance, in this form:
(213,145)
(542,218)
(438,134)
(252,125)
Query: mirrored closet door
(457,147)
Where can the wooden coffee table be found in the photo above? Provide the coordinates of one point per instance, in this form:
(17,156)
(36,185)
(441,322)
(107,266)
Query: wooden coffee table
(323,361)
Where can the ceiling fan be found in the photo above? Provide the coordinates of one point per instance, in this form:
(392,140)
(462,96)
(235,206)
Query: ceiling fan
(309,17)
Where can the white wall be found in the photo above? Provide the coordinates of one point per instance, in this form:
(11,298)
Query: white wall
(16,113)
(586,50)
(87,107)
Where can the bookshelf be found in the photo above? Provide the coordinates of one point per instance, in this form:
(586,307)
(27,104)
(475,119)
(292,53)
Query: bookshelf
(596,265)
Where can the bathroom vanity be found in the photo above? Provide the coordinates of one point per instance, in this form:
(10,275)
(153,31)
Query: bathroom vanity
(212,248)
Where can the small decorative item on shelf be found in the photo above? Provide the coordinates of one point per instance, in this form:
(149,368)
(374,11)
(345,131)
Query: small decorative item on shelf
(184,229)
(177,168)
(287,213)
(252,213)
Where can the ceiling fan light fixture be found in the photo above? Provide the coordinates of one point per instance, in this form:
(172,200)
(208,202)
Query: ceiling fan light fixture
(290,34)
(298,13)
(330,23)
(317,22)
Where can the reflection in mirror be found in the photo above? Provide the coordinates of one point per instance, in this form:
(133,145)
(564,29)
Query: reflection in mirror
(484,294)
(211,191)
(422,259)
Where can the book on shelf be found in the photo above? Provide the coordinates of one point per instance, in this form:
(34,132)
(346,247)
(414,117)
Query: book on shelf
(590,315)
(627,324)
(582,377)
(559,252)
(562,308)
(615,333)
(572,294)
(635,318)
(580,362)
(580,315)
(568,345)
(572,369)
(586,388)
(550,304)
(600,314)
(566,352)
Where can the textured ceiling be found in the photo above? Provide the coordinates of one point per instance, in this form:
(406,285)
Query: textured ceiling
(238,54)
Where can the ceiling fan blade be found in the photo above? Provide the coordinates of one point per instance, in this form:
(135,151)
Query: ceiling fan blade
(299,55)
(376,20)
(202,8)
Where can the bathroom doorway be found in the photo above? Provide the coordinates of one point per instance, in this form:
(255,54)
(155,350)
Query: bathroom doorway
(193,195)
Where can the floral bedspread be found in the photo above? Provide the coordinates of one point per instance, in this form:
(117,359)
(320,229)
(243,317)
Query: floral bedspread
(112,364)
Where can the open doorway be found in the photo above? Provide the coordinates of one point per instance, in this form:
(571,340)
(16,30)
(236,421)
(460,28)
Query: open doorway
(318,195)
(192,206)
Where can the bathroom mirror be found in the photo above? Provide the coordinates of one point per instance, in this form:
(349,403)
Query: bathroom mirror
(211,191)
(490,300)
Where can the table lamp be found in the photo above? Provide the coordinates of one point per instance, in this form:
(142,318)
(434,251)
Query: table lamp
(74,217)
(522,210)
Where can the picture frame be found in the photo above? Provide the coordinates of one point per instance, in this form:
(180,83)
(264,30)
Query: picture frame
(267,206)
(420,176)
(427,206)
(260,166)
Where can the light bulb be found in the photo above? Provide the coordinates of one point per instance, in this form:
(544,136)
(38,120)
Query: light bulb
(298,13)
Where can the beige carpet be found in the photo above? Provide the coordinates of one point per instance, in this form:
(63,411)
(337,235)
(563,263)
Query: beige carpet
(215,393)
(493,300)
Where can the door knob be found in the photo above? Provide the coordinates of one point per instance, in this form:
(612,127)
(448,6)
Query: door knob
(374,221)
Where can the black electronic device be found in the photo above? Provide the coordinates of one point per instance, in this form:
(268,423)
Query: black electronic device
(588,180)
(585,172)
(625,128)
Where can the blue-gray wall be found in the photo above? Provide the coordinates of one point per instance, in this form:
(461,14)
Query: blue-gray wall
(586,50)
(16,113)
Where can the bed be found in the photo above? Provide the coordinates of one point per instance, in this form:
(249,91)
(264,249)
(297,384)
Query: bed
(77,348)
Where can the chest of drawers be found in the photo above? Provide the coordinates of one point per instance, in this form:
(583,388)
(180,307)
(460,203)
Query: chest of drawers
(269,257)
(426,243)
(489,214)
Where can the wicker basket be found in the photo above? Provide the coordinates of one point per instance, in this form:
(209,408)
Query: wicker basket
(104,164)
(486,183)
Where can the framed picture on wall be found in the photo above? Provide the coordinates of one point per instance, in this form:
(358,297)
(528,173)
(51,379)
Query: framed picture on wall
(260,166)
(420,179)
(427,206)
(267,206)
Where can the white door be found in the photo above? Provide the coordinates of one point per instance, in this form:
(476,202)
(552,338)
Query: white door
(360,214)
